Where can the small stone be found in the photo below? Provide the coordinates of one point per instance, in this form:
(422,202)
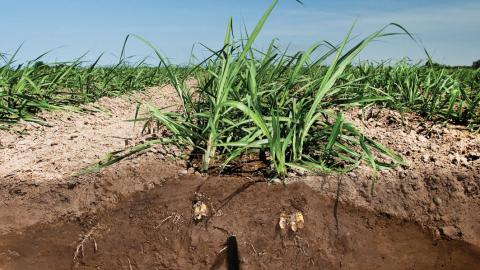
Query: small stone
(434,147)
(437,201)
(425,158)
(50,143)
(276,181)
(183,172)
(451,232)
(352,175)
(300,172)
(20,143)
(422,138)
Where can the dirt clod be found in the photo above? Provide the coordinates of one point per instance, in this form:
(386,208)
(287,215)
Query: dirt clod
(451,232)
(437,201)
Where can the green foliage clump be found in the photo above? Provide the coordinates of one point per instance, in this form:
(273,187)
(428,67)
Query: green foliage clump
(435,92)
(28,88)
(288,107)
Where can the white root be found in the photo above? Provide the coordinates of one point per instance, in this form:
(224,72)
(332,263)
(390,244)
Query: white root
(80,249)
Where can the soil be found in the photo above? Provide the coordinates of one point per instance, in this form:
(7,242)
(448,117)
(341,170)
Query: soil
(154,230)
(137,214)
(71,141)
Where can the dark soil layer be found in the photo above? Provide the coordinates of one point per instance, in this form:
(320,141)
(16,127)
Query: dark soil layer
(154,229)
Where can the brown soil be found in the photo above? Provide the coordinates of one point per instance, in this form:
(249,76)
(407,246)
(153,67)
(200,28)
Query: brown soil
(421,216)
(154,230)
(38,153)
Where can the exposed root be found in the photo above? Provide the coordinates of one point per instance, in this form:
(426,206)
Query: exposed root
(175,219)
(129,264)
(80,249)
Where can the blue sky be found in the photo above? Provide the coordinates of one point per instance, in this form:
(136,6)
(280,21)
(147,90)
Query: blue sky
(450,30)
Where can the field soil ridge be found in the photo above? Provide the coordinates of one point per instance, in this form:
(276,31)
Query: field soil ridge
(435,199)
